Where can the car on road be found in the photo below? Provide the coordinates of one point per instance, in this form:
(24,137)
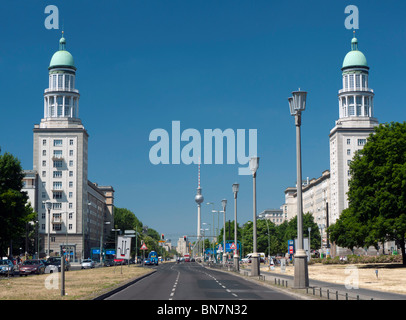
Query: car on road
(50,268)
(56,261)
(7,267)
(109,262)
(147,261)
(31,266)
(87,264)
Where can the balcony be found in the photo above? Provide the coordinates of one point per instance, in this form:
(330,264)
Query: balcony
(61,90)
(356,90)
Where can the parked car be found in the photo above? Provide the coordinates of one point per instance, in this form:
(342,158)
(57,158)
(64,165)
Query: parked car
(50,268)
(56,261)
(32,266)
(6,267)
(109,262)
(87,264)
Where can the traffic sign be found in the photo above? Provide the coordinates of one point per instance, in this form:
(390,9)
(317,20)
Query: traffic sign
(123,247)
(233,247)
(143,247)
(129,231)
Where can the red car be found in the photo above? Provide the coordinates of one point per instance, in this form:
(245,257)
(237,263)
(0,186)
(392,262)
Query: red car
(32,266)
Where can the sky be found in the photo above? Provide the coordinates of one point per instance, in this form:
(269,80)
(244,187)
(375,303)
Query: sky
(228,64)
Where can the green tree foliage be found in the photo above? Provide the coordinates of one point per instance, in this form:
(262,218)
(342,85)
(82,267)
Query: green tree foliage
(377,192)
(15,212)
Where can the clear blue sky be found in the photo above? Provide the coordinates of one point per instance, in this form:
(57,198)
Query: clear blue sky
(209,64)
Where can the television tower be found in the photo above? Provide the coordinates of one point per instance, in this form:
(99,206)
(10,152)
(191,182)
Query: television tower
(199,199)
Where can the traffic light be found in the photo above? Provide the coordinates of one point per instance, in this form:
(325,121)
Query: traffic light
(184,238)
(162,236)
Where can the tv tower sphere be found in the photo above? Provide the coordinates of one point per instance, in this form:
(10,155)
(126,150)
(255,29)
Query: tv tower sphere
(199,197)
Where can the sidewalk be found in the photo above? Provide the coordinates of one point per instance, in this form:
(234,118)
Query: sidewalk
(322,289)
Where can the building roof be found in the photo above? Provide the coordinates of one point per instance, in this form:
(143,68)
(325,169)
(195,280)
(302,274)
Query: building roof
(354,58)
(62,58)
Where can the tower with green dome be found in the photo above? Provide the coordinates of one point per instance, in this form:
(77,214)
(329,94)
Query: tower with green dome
(355,122)
(60,157)
(61,99)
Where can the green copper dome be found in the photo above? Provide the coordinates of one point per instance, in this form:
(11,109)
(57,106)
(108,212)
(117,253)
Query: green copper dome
(62,58)
(354,58)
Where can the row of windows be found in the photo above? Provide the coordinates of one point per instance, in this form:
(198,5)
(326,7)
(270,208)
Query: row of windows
(56,227)
(56,174)
(57,142)
(57,195)
(360,142)
(61,81)
(357,81)
(57,206)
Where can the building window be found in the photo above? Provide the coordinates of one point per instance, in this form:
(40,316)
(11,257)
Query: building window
(57,174)
(60,79)
(348,162)
(57,185)
(71,153)
(44,152)
(44,195)
(56,227)
(57,206)
(71,142)
(43,226)
(70,163)
(362,142)
(43,215)
(44,142)
(70,184)
(70,173)
(70,205)
(44,174)
(58,164)
(349,152)
(44,163)
(58,143)
(58,154)
(70,194)
(70,226)
(359,105)
(70,215)
(351,81)
(348,141)
(57,195)
(358,81)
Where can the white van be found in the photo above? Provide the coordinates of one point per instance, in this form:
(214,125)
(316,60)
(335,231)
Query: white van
(247,258)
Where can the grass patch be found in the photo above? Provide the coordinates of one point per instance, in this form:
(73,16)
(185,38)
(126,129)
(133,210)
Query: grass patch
(79,284)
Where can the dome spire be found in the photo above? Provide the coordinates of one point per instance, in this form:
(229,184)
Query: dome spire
(354,42)
(62,42)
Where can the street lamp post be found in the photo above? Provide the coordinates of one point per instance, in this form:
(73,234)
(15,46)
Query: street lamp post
(297,104)
(49,206)
(254,163)
(236,256)
(310,247)
(224,204)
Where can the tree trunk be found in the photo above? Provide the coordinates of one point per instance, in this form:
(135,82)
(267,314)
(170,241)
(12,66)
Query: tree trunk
(402,249)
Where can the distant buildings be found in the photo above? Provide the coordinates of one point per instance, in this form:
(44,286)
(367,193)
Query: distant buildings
(81,214)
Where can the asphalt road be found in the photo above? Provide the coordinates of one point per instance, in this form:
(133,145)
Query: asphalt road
(191,281)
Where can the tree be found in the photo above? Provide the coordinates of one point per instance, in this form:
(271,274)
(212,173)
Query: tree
(308,221)
(377,192)
(15,212)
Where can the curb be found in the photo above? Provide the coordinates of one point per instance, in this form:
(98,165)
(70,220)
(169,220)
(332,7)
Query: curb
(110,293)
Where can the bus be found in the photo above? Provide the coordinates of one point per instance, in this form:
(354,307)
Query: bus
(153,258)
